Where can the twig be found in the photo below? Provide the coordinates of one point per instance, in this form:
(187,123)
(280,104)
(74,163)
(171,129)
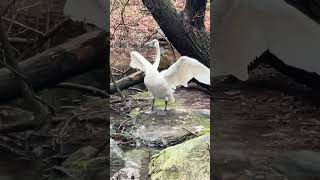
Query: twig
(21,40)
(117,88)
(135,89)
(147,40)
(189,131)
(20,127)
(25,79)
(8,7)
(24,26)
(102,147)
(45,37)
(117,69)
(122,19)
(171,46)
(125,72)
(26,90)
(94,90)
(66,124)
(28,7)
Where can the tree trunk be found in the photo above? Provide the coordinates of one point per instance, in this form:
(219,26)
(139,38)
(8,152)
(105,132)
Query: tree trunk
(56,64)
(309,7)
(184,30)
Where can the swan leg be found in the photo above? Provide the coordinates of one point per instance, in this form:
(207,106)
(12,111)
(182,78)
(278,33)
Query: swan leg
(153,100)
(165,107)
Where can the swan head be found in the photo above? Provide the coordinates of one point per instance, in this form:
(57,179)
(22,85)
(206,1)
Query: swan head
(153,43)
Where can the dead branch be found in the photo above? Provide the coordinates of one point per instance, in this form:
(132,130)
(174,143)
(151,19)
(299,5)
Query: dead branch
(114,83)
(52,110)
(23,25)
(20,127)
(42,40)
(26,90)
(91,89)
(8,7)
(21,40)
(127,82)
(74,57)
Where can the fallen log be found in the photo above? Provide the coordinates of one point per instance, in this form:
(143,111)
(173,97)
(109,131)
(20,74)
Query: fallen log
(54,65)
(127,82)
(91,89)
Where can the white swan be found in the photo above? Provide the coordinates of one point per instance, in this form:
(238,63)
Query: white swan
(90,11)
(162,84)
(245,29)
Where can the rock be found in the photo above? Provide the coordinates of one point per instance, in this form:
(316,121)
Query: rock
(82,165)
(298,165)
(189,160)
(135,159)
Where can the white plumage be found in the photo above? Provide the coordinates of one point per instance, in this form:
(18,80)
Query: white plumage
(90,11)
(244,29)
(162,84)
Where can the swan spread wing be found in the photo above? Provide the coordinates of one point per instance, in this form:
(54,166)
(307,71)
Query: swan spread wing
(91,11)
(251,27)
(184,70)
(139,62)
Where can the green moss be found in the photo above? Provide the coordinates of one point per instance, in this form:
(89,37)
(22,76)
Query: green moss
(201,120)
(189,160)
(78,159)
(204,132)
(160,103)
(142,95)
(135,112)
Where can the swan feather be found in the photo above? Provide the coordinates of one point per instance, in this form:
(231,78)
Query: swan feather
(245,29)
(183,70)
(139,62)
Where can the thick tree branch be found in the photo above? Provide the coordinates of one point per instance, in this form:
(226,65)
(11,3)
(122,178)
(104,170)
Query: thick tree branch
(127,82)
(194,13)
(54,65)
(187,39)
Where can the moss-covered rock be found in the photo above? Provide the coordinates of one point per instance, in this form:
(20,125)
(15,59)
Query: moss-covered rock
(82,165)
(189,160)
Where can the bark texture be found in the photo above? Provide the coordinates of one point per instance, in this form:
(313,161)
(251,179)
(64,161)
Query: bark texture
(56,64)
(185,30)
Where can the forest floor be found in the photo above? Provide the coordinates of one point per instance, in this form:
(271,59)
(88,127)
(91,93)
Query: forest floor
(258,129)
(79,123)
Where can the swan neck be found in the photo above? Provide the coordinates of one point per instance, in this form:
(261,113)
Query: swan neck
(157,61)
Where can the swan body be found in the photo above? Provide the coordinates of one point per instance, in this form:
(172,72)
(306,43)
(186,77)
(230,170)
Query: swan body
(245,29)
(90,11)
(162,84)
